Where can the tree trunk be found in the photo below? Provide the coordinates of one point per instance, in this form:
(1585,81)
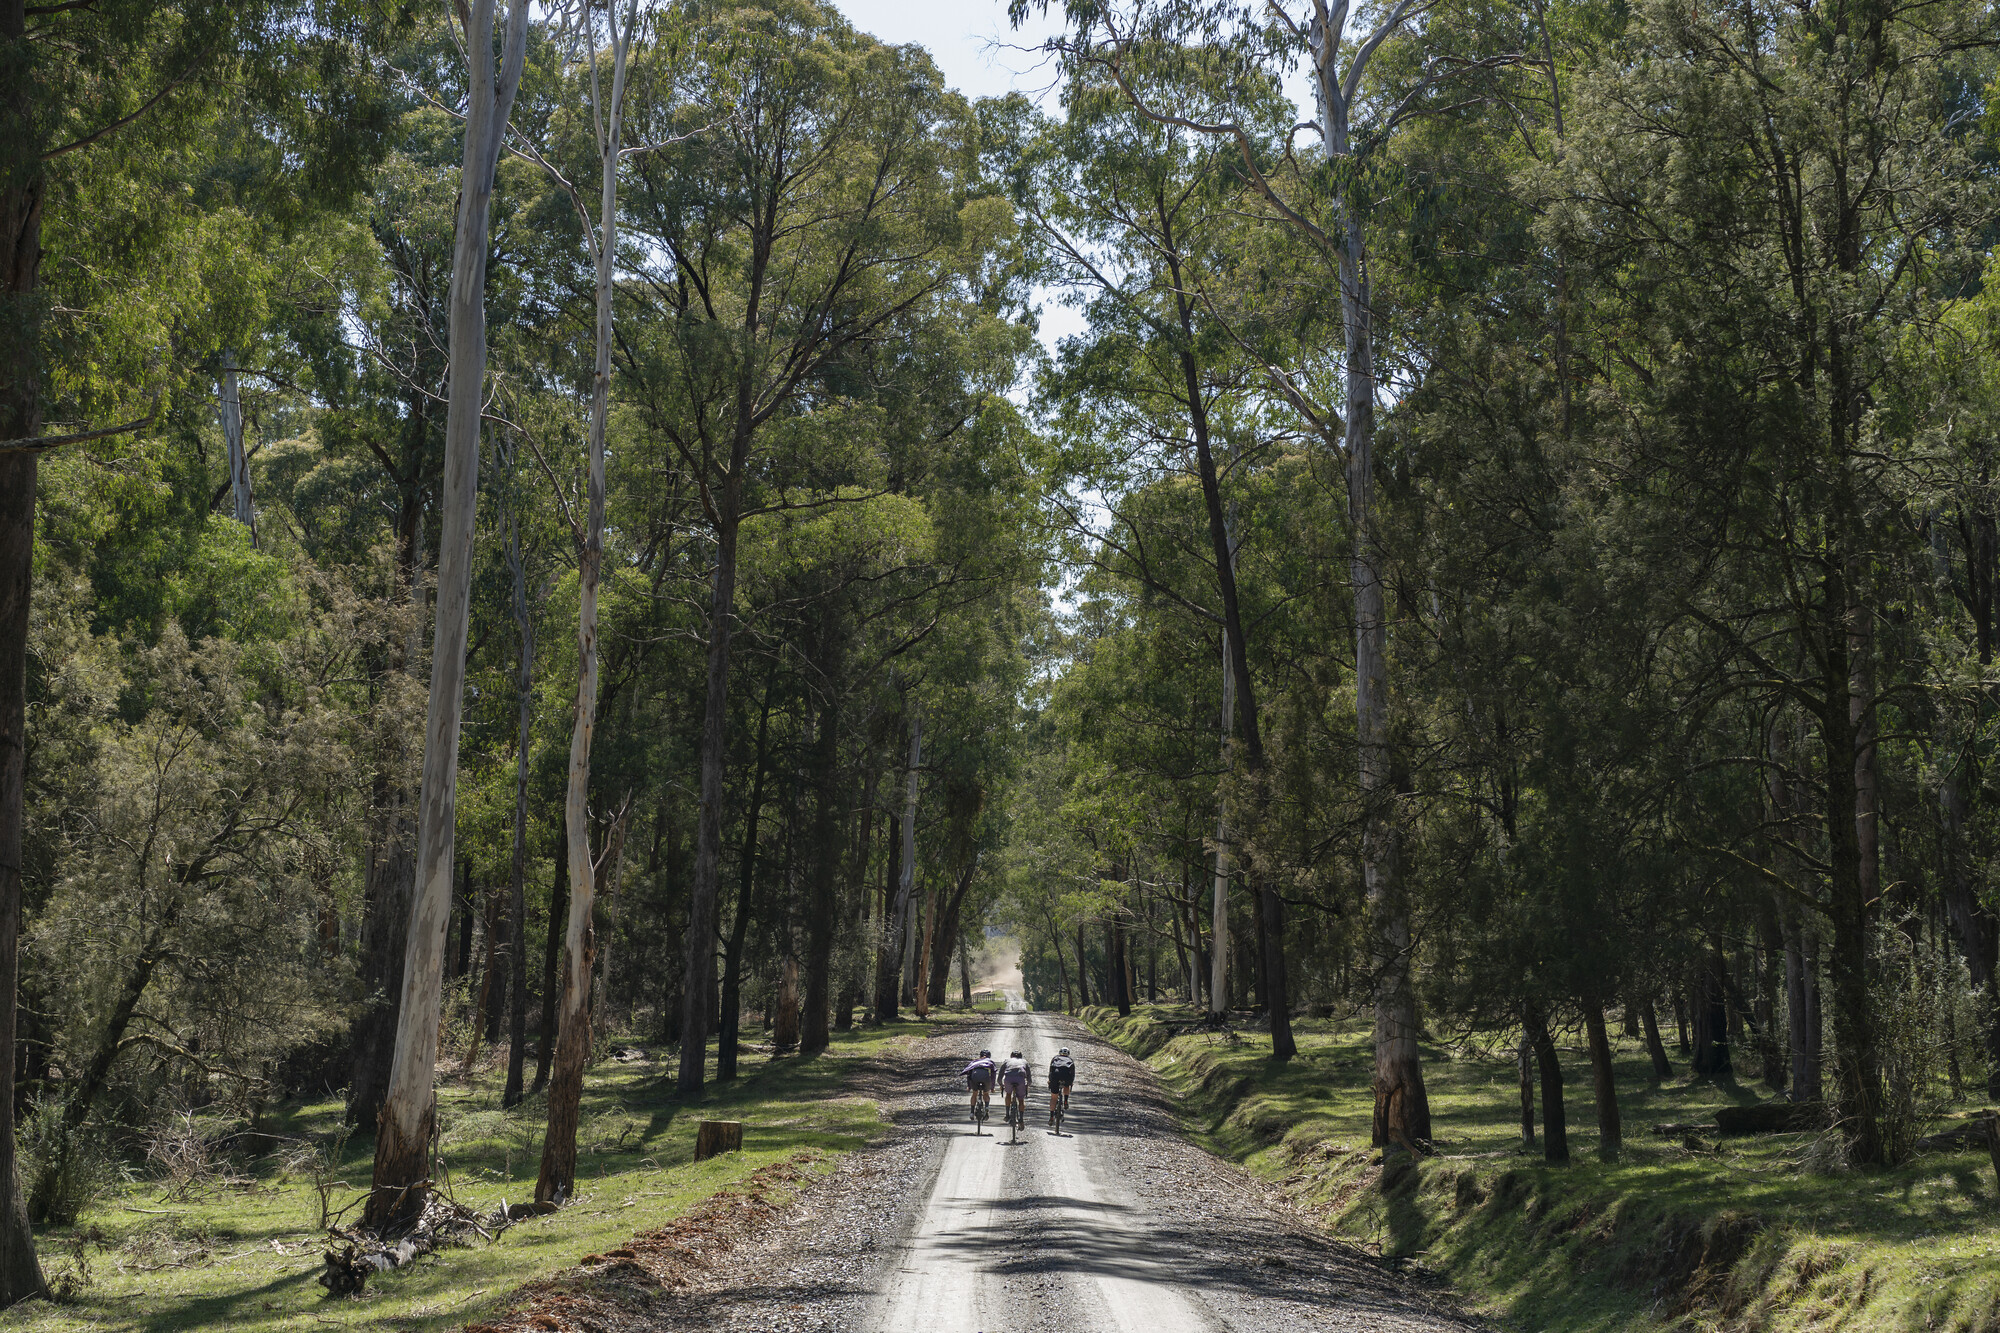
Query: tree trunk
(888,957)
(1610,1133)
(965,970)
(20,418)
(461,960)
(728,1038)
(1976,927)
(231,405)
(1711,1020)
(823,888)
(1555,1131)
(610,882)
(552,946)
(1082,969)
(1524,1065)
(573,1024)
(400,1187)
(517,929)
(785,1030)
(920,992)
(1662,1068)
(948,934)
(903,915)
(1218,976)
(700,992)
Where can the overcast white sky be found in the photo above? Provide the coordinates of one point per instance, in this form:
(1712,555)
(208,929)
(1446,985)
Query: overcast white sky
(981,57)
(966,38)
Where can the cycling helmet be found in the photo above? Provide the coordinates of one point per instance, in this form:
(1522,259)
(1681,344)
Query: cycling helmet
(986,1055)
(1014,1055)
(1063,1051)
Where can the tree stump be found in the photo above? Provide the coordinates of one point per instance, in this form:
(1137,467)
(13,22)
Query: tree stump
(717,1136)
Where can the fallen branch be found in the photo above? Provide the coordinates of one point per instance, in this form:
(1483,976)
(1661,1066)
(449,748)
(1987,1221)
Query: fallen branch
(364,1253)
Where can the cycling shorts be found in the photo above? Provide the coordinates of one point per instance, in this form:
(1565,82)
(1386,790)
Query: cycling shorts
(1016,1084)
(979,1081)
(1062,1078)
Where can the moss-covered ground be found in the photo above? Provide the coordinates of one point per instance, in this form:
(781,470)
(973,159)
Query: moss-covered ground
(241,1249)
(1700,1233)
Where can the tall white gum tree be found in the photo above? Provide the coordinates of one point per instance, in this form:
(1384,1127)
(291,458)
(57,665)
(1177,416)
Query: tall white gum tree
(557,1180)
(401,1184)
(1349,125)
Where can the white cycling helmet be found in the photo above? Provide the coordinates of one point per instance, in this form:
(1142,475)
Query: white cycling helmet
(1063,1051)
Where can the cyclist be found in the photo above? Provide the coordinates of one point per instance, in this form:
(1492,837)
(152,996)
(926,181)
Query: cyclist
(1016,1076)
(1062,1076)
(978,1077)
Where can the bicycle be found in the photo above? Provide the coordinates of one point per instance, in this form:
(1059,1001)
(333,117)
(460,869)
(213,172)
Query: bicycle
(979,1099)
(1017,1119)
(1056,1109)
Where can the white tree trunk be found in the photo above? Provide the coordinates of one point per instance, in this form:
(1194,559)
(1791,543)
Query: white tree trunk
(231,406)
(402,1142)
(573,1038)
(1402,1106)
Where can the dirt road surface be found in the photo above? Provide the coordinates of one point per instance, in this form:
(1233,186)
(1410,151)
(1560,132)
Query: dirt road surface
(1119,1223)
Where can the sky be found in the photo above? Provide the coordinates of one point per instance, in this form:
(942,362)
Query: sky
(981,56)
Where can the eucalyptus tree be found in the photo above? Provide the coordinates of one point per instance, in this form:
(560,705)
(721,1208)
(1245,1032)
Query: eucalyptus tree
(1819,150)
(832,200)
(92,93)
(402,1142)
(1138,218)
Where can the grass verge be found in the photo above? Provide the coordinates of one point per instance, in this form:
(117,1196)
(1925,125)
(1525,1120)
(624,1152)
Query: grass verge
(1736,1234)
(242,1250)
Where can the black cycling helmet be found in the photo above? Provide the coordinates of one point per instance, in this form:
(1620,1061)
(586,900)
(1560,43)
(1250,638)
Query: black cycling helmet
(986,1055)
(1014,1055)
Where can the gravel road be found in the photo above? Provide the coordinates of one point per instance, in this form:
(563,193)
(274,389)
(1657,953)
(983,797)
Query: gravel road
(1119,1223)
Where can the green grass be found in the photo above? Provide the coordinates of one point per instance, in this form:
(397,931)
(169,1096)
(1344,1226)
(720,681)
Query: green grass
(1735,1235)
(207,1261)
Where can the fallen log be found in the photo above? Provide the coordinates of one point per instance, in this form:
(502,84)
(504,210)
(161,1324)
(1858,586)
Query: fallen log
(1772,1118)
(1966,1136)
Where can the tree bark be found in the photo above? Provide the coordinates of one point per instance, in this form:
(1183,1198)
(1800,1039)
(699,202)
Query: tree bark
(823,888)
(1711,1020)
(552,946)
(231,411)
(728,1038)
(1662,1068)
(1402,1105)
(1610,1133)
(20,418)
(400,1187)
(1524,1065)
(902,916)
(1555,1130)
(517,898)
(1976,927)
(948,932)
(1218,976)
(699,994)
(1082,969)
(888,958)
(1846,732)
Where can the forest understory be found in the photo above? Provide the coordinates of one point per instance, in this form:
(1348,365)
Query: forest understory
(232,1240)
(1693,1231)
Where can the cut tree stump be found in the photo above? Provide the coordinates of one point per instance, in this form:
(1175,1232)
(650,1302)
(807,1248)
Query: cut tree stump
(717,1136)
